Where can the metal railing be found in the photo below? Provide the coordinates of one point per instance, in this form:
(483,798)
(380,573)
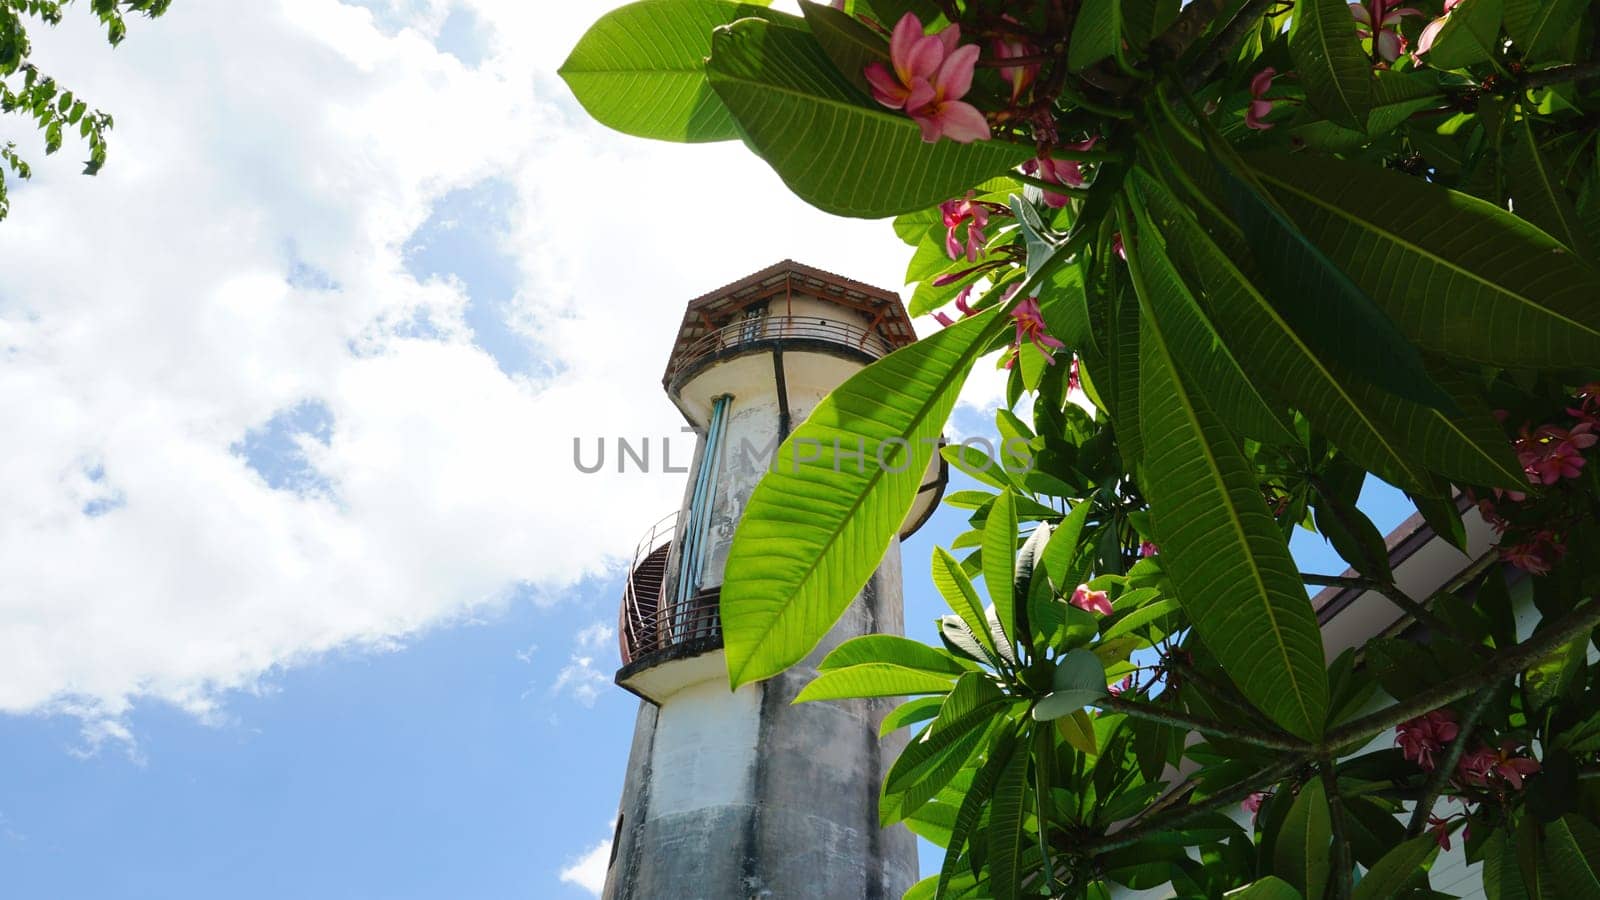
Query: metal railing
(767,328)
(651,619)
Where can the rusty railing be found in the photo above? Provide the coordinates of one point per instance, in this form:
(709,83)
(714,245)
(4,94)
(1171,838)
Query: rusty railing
(651,620)
(768,328)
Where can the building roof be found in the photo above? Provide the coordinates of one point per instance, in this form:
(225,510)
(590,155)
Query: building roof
(720,307)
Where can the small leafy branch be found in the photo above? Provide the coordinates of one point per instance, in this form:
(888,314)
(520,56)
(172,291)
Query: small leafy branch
(56,111)
(1241,257)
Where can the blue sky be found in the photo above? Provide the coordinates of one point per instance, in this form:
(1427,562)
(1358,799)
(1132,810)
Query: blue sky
(300,593)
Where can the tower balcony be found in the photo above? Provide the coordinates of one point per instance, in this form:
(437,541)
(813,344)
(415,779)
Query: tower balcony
(656,628)
(797,333)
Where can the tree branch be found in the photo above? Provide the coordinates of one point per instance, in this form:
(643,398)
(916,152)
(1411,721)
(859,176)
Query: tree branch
(1559,74)
(1578,623)
(1153,713)
(1234,793)
(1342,865)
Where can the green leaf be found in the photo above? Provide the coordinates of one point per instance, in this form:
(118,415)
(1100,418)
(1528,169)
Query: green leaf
(1537,192)
(920,709)
(1200,354)
(1096,35)
(640,68)
(1300,855)
(958,591)
(984,782)
(1079,680)
(1469,35)
(1460,276)
(892,648)
(879,679)
(1538,27)
(1316,294)
(1078,731)
(1007,816)
(999,564)
(1268,888)
(1337,75)
(1502,877)
(1572,853)
(1273,353)
(938,751)
(851,45)
(815,530)
(1142,617)
(1229,564)
(1397,870)
(823,139)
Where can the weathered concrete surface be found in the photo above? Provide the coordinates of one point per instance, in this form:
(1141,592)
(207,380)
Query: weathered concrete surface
(777,801)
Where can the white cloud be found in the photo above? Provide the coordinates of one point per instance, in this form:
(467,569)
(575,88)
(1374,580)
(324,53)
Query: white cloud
(589,870)
(148,323)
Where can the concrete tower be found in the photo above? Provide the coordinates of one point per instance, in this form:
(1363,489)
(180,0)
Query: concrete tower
(735,795)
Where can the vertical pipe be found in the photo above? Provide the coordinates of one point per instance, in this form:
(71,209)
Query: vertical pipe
(695,533)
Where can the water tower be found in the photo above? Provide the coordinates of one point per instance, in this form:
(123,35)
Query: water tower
(734,795)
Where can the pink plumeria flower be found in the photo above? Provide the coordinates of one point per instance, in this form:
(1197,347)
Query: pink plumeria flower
(1019,77)
(1256,112)
(1430,33)
(1426,735)
(1031,329)
(915,58)
(976,217)
(1252,804)
(1117,248)
(1537,555)
(1065,172)
(1441,831)
(1097,602)
(1513,768)
(1147,549)
(961,305)
(1074,380)
(1121,687)
(942,113)
(1382,18)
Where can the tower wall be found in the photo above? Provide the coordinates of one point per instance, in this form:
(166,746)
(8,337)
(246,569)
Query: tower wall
(744,795)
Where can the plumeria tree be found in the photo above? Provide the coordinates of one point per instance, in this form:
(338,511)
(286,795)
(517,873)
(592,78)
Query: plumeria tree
(1238,257)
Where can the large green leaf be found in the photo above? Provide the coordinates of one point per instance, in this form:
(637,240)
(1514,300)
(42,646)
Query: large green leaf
(1271,351)
(1228,561)
(1538,194)
(640,68)
(1200,354)
(1336,74)
(1538,27)
(1316,294)
(972,806)
(815,529)
(1268,888)
(999,565)
(956,587)
(851,45)
(877,679)
(1469,35)
(1572,853)
(892,648)
(935,755)
(1096,34)
(1458,275)
(1300,854)
(833,147)
(1397,870)
(1007,835)
(1502,877)
(1079,680)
